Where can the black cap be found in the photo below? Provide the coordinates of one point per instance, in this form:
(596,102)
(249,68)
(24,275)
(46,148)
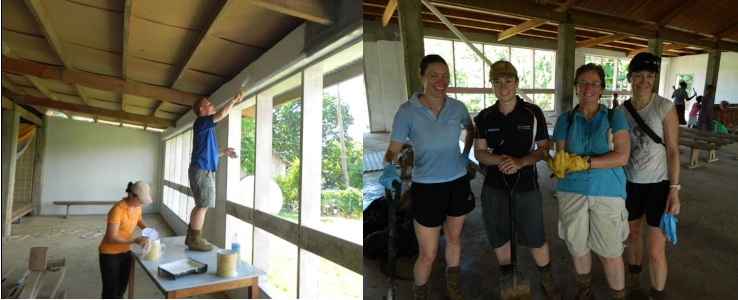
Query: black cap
(644,61)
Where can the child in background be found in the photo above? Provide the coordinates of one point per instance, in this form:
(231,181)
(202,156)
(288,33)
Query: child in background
(722,120)
(692,122)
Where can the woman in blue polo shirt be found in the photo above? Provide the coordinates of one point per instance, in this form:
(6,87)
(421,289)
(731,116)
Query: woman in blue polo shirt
(592,213)
(440,189)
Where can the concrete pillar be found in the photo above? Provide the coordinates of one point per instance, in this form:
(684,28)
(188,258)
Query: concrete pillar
(38,166)
(713,66)
(565,68)
(310,177)
(411,33)
(655,46)
(384,72)
(10,121)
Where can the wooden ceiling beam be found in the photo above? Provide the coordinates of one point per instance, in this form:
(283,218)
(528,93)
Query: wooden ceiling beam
(675,12)
(9,105)
(126,35)
(532,23)
(39,13)
(388,12)
(215,17)
(311,10)
(30,100)
(100,82)
(664,48)
(727,31)
(565,7)
(601,40)
(34,80)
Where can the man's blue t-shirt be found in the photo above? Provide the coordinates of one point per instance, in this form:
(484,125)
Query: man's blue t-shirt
(204,147)
(590,138)
(435,139)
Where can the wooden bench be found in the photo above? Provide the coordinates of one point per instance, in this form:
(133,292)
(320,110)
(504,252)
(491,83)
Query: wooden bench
(70,203)
(21,209)
(696,146)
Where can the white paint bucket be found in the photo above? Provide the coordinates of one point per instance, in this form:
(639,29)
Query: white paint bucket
(226,263)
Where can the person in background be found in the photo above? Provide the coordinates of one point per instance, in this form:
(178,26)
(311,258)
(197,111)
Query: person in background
(115,248)
(440,191)
(652,172)
(591,151)
(615,101)
(722,120)
(203,165)
(681,98)
(517,132)
(706,113)
(692,122)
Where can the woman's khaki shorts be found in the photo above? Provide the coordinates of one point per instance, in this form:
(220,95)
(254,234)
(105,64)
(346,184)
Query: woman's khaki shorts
(593,223)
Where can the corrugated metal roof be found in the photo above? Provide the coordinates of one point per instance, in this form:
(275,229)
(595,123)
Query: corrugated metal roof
(373,161)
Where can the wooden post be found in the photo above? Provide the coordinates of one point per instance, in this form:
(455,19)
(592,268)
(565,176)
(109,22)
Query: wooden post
(10,121)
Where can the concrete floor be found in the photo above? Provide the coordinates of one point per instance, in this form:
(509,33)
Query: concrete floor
(702,265)
(76,239)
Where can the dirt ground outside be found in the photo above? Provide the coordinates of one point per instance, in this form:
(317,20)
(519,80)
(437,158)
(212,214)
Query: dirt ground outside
(702,265)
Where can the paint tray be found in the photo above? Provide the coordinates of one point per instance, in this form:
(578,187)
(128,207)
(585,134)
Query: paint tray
(183,267)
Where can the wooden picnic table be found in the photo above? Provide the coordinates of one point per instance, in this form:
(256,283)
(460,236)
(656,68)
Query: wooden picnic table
(719,141)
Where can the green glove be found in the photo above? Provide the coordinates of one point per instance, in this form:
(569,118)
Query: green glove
(577,163)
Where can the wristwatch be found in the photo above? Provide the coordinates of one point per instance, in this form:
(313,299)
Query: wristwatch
(676,186)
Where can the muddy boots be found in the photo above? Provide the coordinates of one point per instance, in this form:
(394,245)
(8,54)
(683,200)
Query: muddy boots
(584,292)
(196,242)
(617,295)
(421,292)
(633,279)
(453,289)
(552,291)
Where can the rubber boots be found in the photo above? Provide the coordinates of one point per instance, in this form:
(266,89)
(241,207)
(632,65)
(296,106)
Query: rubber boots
(453,289)
(584,292)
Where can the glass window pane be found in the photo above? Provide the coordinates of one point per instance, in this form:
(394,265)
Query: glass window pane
(473,102)
(285,160)
(622,82)
(469,66)
(443,48)
(283,266)
(522,59)
(608,64)
(342,160)
(545,69)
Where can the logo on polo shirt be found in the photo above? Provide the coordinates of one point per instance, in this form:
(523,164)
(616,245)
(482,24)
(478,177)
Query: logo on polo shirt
(493,129)
(471,197)
(526,127)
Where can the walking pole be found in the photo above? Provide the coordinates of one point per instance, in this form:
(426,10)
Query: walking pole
(392,226)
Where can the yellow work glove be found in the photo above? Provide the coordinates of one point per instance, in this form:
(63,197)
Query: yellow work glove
(577,163)
(558,164)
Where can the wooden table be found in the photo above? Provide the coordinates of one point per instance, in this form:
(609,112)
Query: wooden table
(194,284)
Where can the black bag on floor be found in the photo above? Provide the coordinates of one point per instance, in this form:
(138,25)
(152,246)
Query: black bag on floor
(375,216)
(376,243)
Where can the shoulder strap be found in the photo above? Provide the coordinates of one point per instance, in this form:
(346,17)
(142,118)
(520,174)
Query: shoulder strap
(642,123)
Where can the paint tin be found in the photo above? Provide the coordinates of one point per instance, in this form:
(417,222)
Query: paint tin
(226,263)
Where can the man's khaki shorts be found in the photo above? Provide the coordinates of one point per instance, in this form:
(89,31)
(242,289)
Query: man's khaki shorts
(202,184)
(593,223)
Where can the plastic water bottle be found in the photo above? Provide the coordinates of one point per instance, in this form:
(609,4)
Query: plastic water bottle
(236,246)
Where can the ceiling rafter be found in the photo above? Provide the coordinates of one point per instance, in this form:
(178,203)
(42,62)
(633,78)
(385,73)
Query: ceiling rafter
(388,12)
(601,40)
(39,13)
(30,100)
(675,12)
(664,48)
(311,10)
(727,31)
(34,80)
(126,35)
(532,23)
(100,82)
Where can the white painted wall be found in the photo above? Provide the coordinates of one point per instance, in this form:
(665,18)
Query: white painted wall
(727,89)
(95,162)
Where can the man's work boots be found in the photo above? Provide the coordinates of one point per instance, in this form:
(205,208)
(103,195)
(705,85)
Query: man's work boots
(584,292)
(633,282)
(196,242)
(453,289)
(552,291)
(421,292)
(618,295)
